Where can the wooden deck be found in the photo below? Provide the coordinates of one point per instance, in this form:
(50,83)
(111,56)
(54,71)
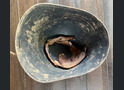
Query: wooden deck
(100,79)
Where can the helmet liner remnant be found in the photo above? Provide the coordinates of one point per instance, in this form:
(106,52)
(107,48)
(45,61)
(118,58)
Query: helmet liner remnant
(76,54)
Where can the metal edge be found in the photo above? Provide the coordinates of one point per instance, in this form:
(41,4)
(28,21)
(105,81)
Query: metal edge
(30,9)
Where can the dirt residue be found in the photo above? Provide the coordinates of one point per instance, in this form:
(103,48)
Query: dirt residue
(88,24)
(28,32)
(63,77)
(32,68)
(71,72)
(66,15)
(96,63)
(33,34)
(36,71)
(82,25)
(31,65)
(45,75)
(29,35)
(54,21)
(43,40)
(39,23)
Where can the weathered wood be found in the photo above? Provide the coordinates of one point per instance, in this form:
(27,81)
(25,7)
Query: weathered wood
(33,85)
(25,5)
(53,1)
(16,72)
(42,1)
(64,2)
(108,21)
(13,25)
(105,75)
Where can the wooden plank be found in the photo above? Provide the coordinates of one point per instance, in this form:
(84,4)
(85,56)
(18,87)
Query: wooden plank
(65,2)
(105,75)
(108,21)
(33,85)
(25,5)
(77,83)
(13,23)
(42,1)
(53,1)
(104,66)
(16,72)
(59,85)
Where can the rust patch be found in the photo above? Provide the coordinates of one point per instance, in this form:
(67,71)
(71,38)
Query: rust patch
(77,54)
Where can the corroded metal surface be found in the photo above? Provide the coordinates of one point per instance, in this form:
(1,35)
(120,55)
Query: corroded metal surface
(43,21)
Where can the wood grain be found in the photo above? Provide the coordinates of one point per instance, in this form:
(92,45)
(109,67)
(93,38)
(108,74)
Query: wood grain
(108,21)
(100,79)
(53,1)
(77,83)
(42,1)
(16,72)
(25,5)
